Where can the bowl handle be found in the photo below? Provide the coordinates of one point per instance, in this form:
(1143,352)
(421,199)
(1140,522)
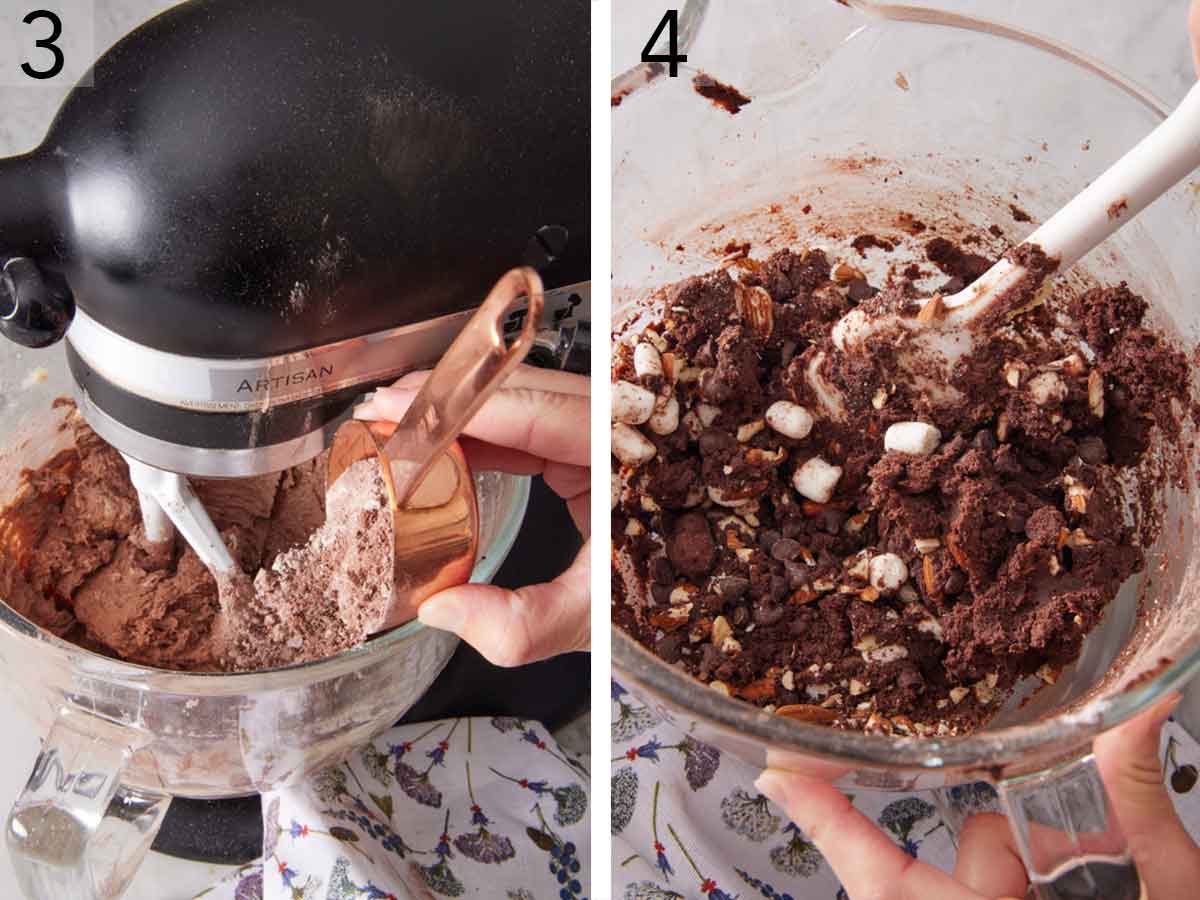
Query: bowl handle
(76,832)
(1070,840)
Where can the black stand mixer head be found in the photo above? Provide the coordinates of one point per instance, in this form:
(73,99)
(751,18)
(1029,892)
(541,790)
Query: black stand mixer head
(261,210)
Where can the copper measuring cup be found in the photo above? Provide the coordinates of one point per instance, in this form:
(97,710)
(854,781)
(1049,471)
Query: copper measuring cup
(431,493)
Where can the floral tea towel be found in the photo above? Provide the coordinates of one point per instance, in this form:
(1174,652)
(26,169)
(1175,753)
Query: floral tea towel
(486,808)
(687,823)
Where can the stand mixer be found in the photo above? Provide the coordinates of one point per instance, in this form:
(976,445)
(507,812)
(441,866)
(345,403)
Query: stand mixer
(262,210)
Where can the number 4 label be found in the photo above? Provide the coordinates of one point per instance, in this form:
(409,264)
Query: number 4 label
(669,23)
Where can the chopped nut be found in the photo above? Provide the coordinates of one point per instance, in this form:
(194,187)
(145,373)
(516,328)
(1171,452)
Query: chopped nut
(817,691)
(788,680)
(1073,365)
(957,694)
(877,724)
(859,565)
(857,522)
(1048,673)
(760,688)
(927,576)
(1077,496)
(755,306)
(903,724)
(879,401)
(633,528)
(913,438)
(844,273)
(925,546)
(699,631)
(1047,389)
(1078,538)
(886,654)
(943,703)
(649,505)
(647,361)
(803,595)
(803,712)
(1096,394)
(867,644)
(823,585)
(745,554)
(720,687)
(689,375)
(631,403)
(659,342)
(857,687)
(717,496)
(749,429)
(831,701)
(731,646)
(630,446)
(682,594)
(1002,427)
(985,690)
(1053,564)
(932,310)
(868,594)
(759,457)
(1014,371)
(672,618)
(789,419)
(721,629)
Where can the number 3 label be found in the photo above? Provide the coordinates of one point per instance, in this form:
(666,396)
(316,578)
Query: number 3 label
(47,43)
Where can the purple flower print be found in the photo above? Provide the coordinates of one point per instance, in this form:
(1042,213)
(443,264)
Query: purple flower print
(417,786)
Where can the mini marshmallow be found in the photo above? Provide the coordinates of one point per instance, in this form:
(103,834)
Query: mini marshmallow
(816,479)
(887,572)
(913,438)
(630,446)
(1047,388)
(666,419)
(646,361)
(631,403)
(789,419)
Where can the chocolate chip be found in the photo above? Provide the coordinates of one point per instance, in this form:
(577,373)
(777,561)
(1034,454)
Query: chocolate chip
(661,571)
(1015,523)
(733,587)
(911,680)
(779,588)
(668,647)
(860,290)
(713,441)
(713,603)
(832,520)
(797,574)
(1092,450)
(690,546)
(785,549)
(769,539)
(661,593)
(955,582)
(985,440)
(767,614)
(712,388)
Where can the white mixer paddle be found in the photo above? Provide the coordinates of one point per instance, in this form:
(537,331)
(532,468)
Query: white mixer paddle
(944,330)
(167,499)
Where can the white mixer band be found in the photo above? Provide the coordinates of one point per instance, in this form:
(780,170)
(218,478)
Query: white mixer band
(249,385)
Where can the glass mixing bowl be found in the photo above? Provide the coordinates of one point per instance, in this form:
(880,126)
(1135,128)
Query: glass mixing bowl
(855,118)
(122,739)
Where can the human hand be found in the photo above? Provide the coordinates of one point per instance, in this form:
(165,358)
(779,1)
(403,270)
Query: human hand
(535,424)
(1194,32)
(871,865)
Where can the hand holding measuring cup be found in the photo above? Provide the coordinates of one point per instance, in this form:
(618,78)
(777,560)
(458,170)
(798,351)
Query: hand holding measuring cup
(989,865)
(536,424)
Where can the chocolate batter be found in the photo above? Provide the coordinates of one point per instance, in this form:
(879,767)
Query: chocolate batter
(76,561)
(997,550)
